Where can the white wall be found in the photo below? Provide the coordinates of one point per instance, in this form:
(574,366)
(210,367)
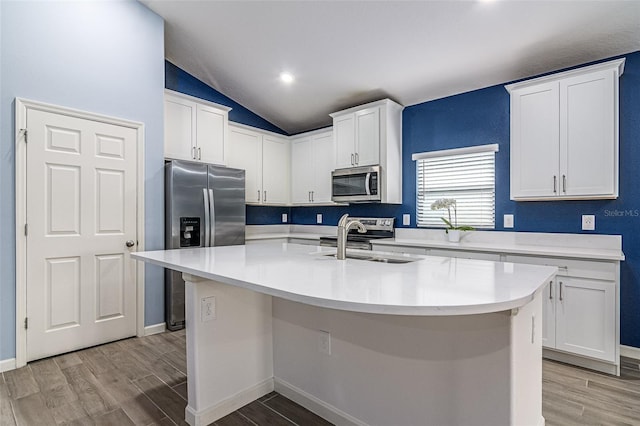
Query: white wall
(101,56)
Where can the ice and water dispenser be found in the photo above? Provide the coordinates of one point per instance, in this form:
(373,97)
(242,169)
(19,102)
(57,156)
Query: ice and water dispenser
(189,232)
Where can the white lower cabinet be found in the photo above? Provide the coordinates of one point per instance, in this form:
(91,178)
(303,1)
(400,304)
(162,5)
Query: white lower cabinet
(585,317)
(578,316)
(580,308)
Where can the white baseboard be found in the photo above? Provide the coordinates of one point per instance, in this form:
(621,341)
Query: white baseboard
(229,405)
(316,405)
(630,352)
(7,364)
(155,329)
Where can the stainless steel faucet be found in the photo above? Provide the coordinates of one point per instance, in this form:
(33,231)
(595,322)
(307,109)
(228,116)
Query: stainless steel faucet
(344,224)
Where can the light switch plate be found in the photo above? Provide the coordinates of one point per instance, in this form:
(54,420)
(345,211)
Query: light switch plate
(319,218)
(588,222)
(284,218)
(406,219)
(508,221)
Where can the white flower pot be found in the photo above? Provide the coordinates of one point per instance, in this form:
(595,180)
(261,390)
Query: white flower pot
(454,235)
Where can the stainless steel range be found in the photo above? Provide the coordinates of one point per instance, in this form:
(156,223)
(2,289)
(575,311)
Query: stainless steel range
(377,227)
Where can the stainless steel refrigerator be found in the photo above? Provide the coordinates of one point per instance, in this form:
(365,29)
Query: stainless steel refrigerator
(204,207)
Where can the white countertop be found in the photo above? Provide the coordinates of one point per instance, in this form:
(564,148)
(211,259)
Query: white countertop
(591,253)
(429,286)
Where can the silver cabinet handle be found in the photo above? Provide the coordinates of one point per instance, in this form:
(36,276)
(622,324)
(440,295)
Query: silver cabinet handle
(309,194)
(199,153)
(352,162)
(560,290)
(357,159)
(550,290)
(264,195)
(312,196)
(130,243)
(555,184)
(258,195)
(193,152)
(564,183)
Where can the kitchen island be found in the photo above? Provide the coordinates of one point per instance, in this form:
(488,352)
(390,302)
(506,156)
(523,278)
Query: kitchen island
(432,341)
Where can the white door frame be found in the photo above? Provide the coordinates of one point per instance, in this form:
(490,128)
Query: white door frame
(21,108)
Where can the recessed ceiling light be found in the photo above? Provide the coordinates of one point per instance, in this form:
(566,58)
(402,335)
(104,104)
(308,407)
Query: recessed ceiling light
(286,77)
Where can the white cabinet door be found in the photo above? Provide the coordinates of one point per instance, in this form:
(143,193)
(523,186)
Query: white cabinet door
(585,317)
(323,165)
(367,124)
(549,297)
(211,133)
(588,151)
(534,142)
(564,135)
(344,137)
(275,170)
(245,152)
(179,128)
(302,170)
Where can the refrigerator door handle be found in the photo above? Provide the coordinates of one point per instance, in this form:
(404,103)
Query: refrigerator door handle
(212,212)
(207,225)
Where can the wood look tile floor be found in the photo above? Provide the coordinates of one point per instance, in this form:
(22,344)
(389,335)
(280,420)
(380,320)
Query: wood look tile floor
(142,381)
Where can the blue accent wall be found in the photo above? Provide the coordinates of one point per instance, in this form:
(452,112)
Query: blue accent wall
(103,57)
(482,117)
(181,81)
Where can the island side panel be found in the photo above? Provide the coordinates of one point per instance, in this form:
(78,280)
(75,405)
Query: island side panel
(526,364)
(230,357)
(401,370)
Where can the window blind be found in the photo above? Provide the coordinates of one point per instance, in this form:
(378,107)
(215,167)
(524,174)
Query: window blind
(469,178)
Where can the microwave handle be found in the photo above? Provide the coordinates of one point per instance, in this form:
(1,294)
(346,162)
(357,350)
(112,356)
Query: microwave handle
(367,186)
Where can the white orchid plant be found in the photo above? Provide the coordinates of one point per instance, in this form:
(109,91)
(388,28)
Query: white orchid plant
(449,203)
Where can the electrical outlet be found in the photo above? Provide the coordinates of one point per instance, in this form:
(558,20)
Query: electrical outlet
(588,222)
(507,221)
(406,219)
(324,342)
(284,218)
(319,218)
(208,309)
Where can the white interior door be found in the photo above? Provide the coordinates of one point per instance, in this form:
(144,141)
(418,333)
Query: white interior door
(81,211)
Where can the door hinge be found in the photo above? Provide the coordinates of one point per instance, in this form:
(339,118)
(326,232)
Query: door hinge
(26,323)
(26,229)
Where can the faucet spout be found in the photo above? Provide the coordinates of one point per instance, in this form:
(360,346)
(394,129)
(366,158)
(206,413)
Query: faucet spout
(344,224)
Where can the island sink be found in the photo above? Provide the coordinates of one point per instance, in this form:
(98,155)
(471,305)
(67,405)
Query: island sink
(373,258)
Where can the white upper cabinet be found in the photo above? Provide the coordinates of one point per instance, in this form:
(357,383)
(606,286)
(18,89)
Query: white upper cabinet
(195,130)
(265,157)
(312,161)
(564,134)
(275,170)
(369,135)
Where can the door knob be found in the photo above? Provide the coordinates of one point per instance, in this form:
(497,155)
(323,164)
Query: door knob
(130,243)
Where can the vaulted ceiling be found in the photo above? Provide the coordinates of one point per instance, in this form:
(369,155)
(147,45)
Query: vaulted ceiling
(344,53)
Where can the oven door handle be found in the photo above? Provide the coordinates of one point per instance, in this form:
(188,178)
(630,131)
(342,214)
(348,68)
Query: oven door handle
(367,186)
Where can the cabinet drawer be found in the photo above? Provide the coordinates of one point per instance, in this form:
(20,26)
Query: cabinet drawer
(465,254)
(399,249)
(572,268)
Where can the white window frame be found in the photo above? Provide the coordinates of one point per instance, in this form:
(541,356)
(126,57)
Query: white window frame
(425,218)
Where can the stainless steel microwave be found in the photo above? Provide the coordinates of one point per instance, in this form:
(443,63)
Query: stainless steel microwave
(356,185)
